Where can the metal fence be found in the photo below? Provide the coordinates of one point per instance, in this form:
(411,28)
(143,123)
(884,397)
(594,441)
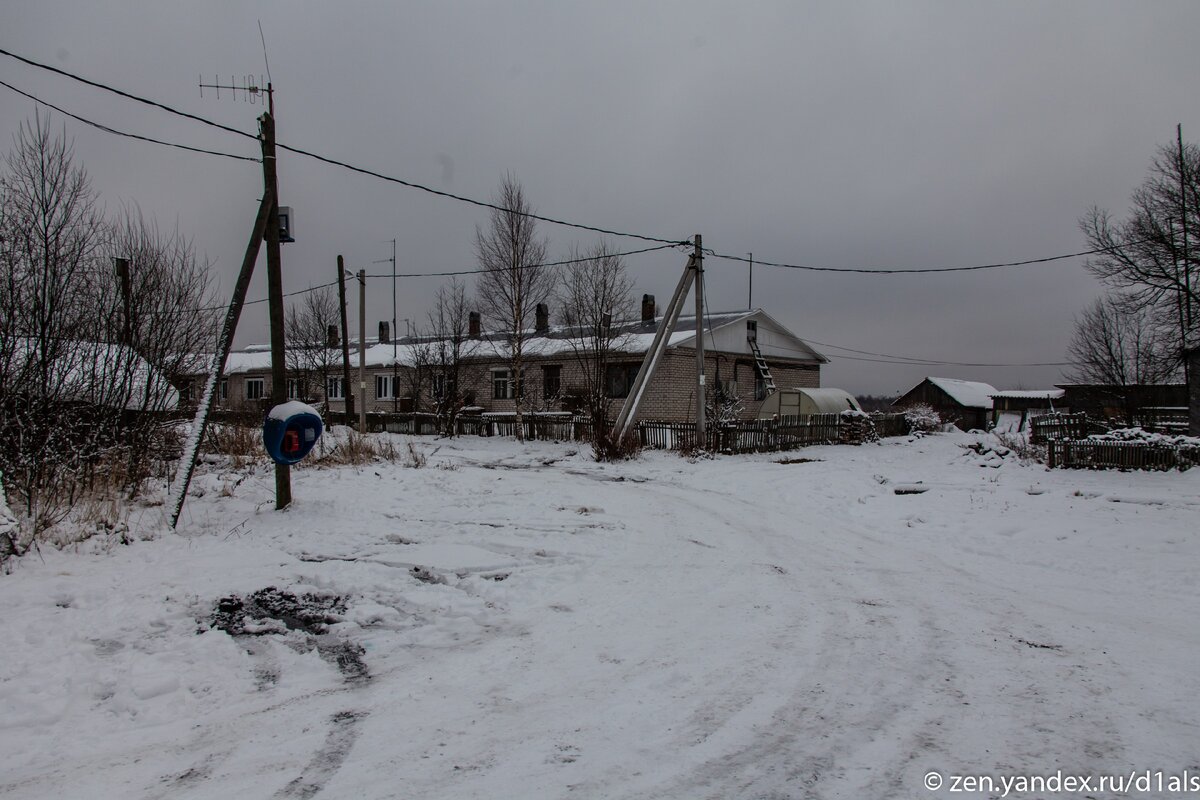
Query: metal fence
(1092,454)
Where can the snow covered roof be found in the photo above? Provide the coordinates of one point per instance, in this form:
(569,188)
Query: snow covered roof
(1030,394)
(104,374)
(633,337)
(972,394)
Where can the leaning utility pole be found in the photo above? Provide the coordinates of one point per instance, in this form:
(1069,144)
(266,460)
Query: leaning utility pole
(283,473)
(191,447)
(698,265)
(347,395)
(654,355)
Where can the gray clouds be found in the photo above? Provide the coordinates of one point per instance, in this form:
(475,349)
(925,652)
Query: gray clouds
(865,134)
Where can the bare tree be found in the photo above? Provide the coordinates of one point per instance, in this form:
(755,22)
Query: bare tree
(1146,258)
(312,358)
(49,245)
(161,327)
(512,280)
(449,348)
(595,297)
(85,358)
(1115,345)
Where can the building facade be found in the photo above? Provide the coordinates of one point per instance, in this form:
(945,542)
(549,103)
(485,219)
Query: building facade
(400,378)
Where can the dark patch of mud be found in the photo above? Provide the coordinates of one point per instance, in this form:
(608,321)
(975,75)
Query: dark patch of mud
(244,616)
(276,611)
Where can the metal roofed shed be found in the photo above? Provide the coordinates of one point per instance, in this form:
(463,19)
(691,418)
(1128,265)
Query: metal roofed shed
(795,402)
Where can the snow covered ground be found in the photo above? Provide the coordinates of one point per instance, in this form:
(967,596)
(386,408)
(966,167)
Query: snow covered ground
(733,627)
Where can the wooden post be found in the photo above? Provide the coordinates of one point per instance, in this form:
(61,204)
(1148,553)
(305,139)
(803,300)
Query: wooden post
(347,395)
(122,268)
(283,473)
(698,262)
(362,351)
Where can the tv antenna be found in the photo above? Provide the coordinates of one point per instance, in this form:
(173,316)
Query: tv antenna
(251,90)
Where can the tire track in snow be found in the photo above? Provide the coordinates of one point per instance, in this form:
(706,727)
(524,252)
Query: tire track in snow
(325,763)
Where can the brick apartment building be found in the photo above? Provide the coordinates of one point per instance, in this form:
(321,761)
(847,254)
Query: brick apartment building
(552,379)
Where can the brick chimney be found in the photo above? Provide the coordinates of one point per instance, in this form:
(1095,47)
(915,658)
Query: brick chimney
(647,308)
(331,336)
(473,326)
(542,323)
(385,331)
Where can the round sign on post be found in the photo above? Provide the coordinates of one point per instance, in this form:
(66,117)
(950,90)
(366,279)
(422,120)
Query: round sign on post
(290,431)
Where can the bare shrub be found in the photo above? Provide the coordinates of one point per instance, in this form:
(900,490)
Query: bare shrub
(607,445)
(922,417)
(232,440)
(355,449)
(416,459)
(1019,443)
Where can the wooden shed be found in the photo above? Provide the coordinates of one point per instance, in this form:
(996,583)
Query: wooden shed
(968,404)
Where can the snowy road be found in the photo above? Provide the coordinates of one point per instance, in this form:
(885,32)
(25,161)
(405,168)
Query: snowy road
(658,629)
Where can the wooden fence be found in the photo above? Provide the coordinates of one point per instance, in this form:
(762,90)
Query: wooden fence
(768,435)
(1047,427)
(1092,454)
(744,436)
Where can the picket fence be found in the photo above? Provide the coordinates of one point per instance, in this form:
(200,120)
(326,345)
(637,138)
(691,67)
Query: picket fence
(1092,454)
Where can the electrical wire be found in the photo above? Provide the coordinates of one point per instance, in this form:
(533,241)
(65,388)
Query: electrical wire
(926,270)
(550,220)
(343,164)
(912,361)
(531,266)
(107,129)
(127,95)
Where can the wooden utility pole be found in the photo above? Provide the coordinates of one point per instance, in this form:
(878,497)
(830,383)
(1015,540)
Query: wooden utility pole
(750,291)
(283,473)
(362,351)
(1187,264)
(347,395)
(121,265)
(698,262)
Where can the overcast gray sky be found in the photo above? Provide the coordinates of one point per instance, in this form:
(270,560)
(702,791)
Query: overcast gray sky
(835,134)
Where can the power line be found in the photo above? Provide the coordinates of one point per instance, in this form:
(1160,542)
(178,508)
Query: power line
(107,129)
(492,206)
(335,162)
(886,358)
(127,95)
(531,266)
(923,270)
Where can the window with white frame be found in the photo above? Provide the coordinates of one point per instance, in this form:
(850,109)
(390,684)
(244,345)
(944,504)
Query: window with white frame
(295,388)
(334,389)
(503,385)
(255,388)
(385,386)
(223,391)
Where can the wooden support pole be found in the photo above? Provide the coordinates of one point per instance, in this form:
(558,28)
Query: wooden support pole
(362,351)
(698,262)
(192,446)
(283,473)
(347,395)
